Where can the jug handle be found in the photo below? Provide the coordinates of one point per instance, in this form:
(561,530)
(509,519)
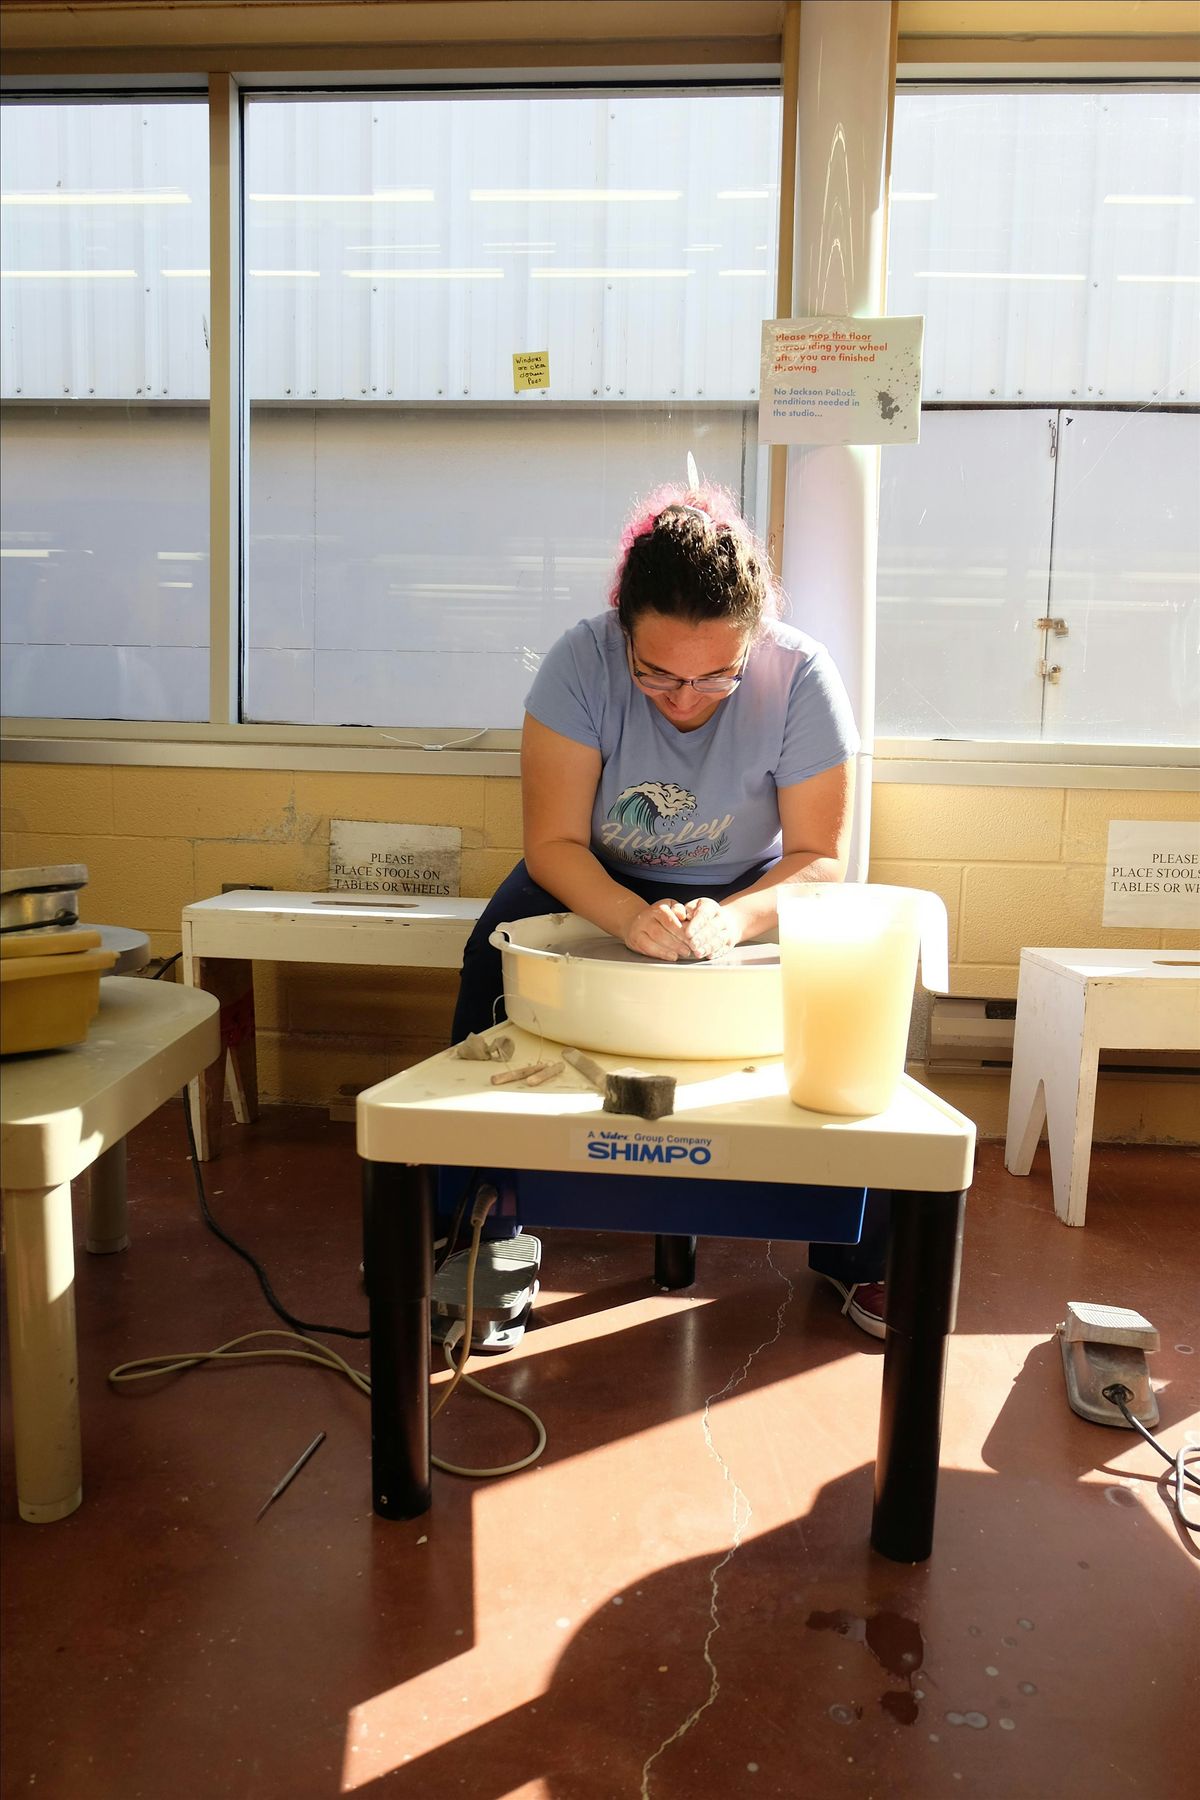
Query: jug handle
(935,934)
(500,940)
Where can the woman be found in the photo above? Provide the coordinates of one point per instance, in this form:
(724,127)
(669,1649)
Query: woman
(684,755)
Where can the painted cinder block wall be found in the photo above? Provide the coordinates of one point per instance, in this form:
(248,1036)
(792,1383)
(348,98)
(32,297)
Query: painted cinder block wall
(1014,866)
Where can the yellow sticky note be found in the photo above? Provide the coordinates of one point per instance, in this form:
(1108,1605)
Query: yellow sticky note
(531,369)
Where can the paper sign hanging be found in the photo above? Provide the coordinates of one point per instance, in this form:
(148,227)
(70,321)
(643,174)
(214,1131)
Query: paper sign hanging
(1153,874)
(531,369)
(367,858)
(837,380)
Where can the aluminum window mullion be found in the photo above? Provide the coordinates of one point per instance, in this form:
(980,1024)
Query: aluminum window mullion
(225,399)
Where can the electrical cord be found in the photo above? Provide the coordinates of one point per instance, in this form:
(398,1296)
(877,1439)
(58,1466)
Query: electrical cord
(511,1468)
(323,1355)
(276,1305)
(1119,1396)
(484,1202)
(450,1242)
(145,1368)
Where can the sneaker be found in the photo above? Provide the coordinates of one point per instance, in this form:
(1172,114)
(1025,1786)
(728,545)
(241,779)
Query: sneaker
(863,1304)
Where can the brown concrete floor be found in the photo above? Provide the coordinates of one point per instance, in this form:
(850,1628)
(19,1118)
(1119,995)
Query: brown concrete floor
(679,1601)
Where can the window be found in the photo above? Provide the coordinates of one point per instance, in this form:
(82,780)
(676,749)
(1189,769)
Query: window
(104,430)
(418,532)
(1039,557)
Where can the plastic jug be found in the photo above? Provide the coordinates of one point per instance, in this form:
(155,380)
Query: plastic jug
(849,958)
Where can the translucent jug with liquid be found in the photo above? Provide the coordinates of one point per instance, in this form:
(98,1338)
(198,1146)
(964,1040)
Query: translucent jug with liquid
(849,958)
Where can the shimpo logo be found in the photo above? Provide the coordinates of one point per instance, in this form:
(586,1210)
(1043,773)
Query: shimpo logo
(646,1150)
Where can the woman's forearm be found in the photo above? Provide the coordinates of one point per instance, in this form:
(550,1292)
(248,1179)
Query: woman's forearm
(575,876)
(755,907)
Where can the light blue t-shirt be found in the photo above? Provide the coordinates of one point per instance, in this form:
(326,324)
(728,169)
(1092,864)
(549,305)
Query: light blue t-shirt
(694,806)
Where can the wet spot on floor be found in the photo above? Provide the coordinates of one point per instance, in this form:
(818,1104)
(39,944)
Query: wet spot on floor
(1084,1565)
(845,1715)
(1026,1687)
(896,1644)
(893,1640)
(1009,1643)
(974,1631)
(1119,1496)
(844,1623)
(1007,1724)
(900,1706)
(1185,1349)
(1025,1624)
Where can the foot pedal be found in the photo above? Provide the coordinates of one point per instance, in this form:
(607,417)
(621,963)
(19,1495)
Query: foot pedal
(1102,1345)
(505,1288)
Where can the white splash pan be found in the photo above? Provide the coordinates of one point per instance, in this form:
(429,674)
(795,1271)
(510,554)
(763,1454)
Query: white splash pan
(568,982)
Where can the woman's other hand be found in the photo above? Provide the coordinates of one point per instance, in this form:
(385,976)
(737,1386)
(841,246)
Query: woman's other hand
(709,929)
(658,931)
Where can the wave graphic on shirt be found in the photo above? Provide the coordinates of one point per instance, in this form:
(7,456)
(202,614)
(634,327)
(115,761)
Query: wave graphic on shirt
(651,803)
(642,827)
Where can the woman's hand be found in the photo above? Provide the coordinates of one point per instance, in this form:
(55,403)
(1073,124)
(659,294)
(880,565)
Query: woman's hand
(710,929)
(658,931)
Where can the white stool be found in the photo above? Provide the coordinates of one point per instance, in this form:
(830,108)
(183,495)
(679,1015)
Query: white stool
(1071,1004)
(223,936)
(62,1112)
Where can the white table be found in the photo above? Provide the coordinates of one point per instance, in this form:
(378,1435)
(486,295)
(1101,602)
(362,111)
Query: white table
(734,1128)
(1071,1004)
(225,936)
(61,1111)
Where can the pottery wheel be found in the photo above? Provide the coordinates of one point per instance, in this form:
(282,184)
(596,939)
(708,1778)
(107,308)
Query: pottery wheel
(606,949)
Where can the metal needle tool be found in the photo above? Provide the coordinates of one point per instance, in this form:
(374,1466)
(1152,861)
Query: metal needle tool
(290,1476)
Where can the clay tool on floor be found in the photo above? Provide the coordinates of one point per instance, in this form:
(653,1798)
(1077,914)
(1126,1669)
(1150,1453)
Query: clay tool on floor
(290,1476)
(630,1091)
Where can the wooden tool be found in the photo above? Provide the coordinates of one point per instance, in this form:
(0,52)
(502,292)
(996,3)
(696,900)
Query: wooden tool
(630,1091)
(534,1073)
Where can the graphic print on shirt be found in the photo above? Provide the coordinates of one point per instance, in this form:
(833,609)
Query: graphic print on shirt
(650,824)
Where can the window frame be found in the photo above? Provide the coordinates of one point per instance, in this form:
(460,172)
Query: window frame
(225,741)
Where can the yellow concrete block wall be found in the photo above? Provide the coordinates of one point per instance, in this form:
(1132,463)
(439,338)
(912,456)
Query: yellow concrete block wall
(155,839)
(1014,865)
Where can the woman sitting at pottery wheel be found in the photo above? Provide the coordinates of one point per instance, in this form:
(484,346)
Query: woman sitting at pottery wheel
(684,755)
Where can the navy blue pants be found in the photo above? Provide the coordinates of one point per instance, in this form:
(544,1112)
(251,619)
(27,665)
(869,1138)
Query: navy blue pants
(481,1004)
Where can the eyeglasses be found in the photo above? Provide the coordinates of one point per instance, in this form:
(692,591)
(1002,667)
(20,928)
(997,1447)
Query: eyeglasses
(654,683)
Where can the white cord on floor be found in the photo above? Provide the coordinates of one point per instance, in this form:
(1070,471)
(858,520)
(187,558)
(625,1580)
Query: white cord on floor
(145,1368)
(511,1468)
